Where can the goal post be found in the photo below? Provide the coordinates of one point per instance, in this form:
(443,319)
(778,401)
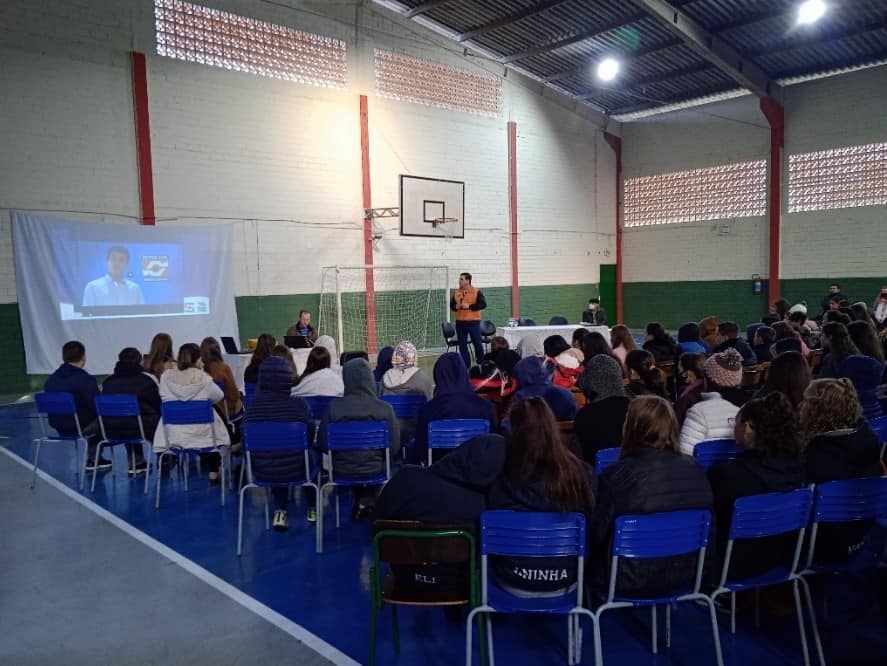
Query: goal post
(410,302)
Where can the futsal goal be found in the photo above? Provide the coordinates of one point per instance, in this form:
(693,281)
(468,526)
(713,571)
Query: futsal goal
(369,307)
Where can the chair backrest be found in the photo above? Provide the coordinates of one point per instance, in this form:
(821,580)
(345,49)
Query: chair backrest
(190,412)
(751,330)
(879,425)
(558,320)
(850,500)
(770,514)
(220,384)
(661,534)
(604,458)
(56,404)
(405,405)
(411,542)
(751,376)
(118,404)
(318,404)
(526,321)
(711,451)
(357,435)
(275,436)
(451,433)
(249,392)
(449,331)
(532,534)
(487,328)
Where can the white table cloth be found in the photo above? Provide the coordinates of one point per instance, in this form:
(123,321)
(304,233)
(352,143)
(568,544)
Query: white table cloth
(516,334)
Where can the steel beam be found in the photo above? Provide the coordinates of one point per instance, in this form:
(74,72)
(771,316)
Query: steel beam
(508,20)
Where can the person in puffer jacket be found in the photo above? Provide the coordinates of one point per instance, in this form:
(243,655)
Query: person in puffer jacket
(360,404)
(651,476)
(713,416)
(689,340)
(565,365)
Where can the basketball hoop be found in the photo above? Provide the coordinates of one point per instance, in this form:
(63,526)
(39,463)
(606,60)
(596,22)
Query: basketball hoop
(445,226)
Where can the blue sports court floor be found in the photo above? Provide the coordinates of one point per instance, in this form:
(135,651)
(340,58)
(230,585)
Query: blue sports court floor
(104,578)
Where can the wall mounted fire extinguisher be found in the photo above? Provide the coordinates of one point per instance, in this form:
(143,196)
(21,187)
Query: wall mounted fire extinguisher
(757,286)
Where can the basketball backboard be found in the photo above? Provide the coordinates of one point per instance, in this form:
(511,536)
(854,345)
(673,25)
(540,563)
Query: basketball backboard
(432,207)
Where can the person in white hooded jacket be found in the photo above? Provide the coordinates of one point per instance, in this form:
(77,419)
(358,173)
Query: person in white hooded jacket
(187,382)
(714,416)
(319,378)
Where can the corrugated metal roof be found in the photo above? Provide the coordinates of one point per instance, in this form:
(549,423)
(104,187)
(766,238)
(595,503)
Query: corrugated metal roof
(561,41)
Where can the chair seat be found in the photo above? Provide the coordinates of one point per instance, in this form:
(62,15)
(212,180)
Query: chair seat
(395,593)
(861,561)
(113,441)
(505,602)
(771,577)
(291,482)
(646,601)
(377,480)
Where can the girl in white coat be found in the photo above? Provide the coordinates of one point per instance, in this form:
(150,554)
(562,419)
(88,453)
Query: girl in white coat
(714,416)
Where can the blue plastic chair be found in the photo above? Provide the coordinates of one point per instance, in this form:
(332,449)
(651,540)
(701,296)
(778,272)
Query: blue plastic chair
(286,439)
(120,406)
(879,425)
(452,433)
(191,412)
(529,534)
(654,536)
(59,404)
(318,404)
(604,458)
(845,501)
(711,451)
(249,392)
(768,515)
(405,405)
(342,436)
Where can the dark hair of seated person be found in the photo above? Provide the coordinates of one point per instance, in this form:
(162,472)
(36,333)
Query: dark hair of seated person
(189,354)
(790,375)
(318,359)
(73,351)
(130,355)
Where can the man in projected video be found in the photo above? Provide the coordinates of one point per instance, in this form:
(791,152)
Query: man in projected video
(113,288)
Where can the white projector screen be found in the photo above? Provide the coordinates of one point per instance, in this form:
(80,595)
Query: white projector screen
(115,285)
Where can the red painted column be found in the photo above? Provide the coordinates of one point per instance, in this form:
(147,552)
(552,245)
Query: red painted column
(615,143)
(367,227)
(512,207)
(775,115)
(143,138)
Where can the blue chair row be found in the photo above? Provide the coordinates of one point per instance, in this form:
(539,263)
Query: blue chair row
(706,453)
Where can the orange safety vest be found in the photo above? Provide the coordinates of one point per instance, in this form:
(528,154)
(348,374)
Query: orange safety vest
(468,296)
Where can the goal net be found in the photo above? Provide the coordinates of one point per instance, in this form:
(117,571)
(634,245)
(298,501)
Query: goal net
(367,308)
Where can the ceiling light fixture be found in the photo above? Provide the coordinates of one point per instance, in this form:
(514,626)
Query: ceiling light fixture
(811,11)
(607,69)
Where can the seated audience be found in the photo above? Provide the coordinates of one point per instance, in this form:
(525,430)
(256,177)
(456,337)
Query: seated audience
(780,309)
(840,444)
(660,344)
(689,341)
(835,316)
(766,429)
(728,338)
(865,337)
(383,363)
(264,347)
(804,328)
(453,399)
(693,375)
(790,375)
(530,346)
(599,424)
(708,332)
(160,357)
(879,309)
(576,341)
(764,338)
(186,382)
(834,294)
(274,403)
(595,344)
(70,377)
(130,378)
(837,346)
(651,476)
(595,314)
(360,403)
(644,378)
(713,416)
(621,342)
(534,382)
(487,366)
(861,312)
(866,374)
(304,328)
(565,366)
(783,330)
(405,376)
(284,352)
(329,344)
(211,353)
(319,378)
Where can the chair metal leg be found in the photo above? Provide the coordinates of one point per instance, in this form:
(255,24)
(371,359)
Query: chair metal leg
(186,470)
(757,608)
(801,628)
(714,630)
(318,527)
(812,611)
(222,467)
(373,610)
(267,521)
(95,469)
(490,653)
(668,626)
(147,458)
(654,623)
(395,630)
(732,612)
(571,642)
(596,637)
(336,491)
(34,471)
(240,522)
(468,645)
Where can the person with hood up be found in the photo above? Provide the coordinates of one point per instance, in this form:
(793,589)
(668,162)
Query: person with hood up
(599,424)
(273,402)
(188,381)
(405,376)
(453,399)
(689,341)
(533,381)
(565,366)
(360,403)
(766,429)
(383,362)
(319,378)
(713,416)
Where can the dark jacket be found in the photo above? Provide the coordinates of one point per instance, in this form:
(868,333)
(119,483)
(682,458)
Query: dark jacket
(598,425)
(595,317)
(866,373)
(645,481)
(690,395)
(636,387)
(663,350)
(829,367)
(535,382)
(453,399)
(71,379)
(763,353)
(132,379)
(689,340)
(360,404)
(833,456)
(733,394)
(740,345)
(383,362)
(753,475)
(272,402)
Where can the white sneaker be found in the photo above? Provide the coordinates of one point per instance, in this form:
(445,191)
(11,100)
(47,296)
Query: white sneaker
(280,522)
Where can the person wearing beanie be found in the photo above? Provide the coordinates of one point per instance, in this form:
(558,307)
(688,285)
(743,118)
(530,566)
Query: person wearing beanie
(598,425)
(689,341)
(714,416)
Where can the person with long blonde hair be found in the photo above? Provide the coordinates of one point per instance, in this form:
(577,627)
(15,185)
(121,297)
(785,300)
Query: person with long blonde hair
(160,357)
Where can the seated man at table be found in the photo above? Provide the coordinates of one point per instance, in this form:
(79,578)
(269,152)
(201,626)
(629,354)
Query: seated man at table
(303,328)
(595,314)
